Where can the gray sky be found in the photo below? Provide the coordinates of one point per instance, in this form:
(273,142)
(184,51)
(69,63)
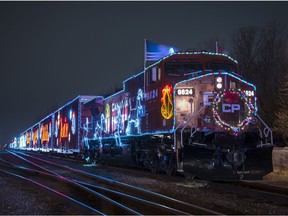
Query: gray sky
(51,52)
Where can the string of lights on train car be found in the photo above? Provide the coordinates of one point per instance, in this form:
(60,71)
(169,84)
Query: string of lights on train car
(167,105)
(252,108)
(171,54)
(247,92)
(247,103)
(54,126)
(192,53)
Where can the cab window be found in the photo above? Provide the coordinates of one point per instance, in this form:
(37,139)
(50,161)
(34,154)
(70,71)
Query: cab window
(154,75)
(220,67)
(182,68)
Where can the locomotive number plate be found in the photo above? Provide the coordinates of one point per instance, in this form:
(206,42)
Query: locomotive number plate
(185,92)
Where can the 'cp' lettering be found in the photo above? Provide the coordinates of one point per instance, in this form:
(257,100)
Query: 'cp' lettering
(227,108)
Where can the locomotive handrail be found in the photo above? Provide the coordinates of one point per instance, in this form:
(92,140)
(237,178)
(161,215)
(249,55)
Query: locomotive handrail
(191,119)
(266,131)
(181,123)
(186,117)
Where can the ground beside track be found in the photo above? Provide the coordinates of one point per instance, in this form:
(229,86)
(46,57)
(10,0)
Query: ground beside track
(17,198)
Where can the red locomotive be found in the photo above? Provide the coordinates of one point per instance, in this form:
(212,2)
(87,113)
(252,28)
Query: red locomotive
(189,112)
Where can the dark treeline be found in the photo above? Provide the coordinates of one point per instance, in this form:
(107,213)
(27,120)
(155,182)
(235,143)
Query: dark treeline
(262,54)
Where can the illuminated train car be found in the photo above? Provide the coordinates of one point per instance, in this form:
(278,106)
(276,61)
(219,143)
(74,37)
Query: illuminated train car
(188,112)
(45,137)
(59,132)
(38,136)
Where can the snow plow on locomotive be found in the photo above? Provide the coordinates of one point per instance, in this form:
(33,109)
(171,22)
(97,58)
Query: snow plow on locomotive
(189,112)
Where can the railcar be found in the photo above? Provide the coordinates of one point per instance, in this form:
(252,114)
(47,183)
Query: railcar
(189,112)
(59,132)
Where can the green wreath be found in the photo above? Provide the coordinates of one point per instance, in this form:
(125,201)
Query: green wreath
(248,106)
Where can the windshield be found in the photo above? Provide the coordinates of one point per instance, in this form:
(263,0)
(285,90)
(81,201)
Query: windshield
(220,67)
(183,68)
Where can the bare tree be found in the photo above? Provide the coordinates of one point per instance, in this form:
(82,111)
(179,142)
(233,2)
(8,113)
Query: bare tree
(272,67)
(262,59)
(246,48)
(281,120)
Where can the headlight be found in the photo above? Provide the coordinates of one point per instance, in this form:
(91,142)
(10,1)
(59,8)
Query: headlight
(219,79)
(218,83)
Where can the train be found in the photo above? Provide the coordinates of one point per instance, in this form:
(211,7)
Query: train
(188,113)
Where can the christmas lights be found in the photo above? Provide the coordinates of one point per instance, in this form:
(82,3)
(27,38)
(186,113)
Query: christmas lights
(107,117)
(73,124)
(44,133)
(116,115)
(192,53)
(135,120)
(22,141)
(167,103)
(35,137)
(64,130)
(232,102)
(247,93)
(28,138)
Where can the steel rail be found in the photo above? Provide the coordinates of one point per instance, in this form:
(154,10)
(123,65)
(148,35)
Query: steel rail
(167,209)
(53,190)
(74,183)
(259,187)
(180,204)
(143,201)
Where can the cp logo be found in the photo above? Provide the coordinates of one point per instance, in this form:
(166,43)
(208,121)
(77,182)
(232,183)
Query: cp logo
(230,108)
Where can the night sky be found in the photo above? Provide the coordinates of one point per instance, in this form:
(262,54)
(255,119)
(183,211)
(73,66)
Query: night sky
(51,52)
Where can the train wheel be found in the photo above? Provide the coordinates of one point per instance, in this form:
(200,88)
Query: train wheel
(188,175)
(170,169)
(154,164)
(154,167)
(239,171)
(238,165)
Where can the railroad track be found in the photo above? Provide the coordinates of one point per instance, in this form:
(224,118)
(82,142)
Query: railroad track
(99,195)
(256,190)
